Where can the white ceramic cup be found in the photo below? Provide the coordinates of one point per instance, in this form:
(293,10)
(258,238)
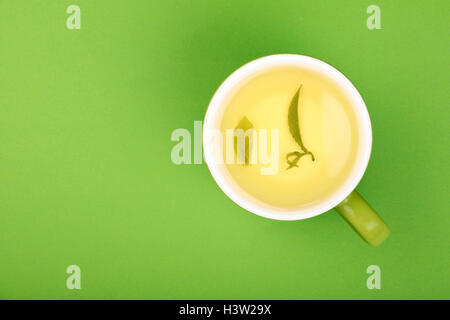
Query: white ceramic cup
(213,120)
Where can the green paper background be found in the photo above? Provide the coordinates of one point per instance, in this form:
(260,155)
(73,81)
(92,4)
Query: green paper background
(86,176)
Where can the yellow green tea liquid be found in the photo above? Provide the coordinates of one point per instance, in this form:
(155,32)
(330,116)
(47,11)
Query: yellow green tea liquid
(328,129)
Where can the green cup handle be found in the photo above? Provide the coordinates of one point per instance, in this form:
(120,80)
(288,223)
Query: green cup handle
(363,219)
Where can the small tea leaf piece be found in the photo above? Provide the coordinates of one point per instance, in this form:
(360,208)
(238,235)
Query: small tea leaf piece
(245,125)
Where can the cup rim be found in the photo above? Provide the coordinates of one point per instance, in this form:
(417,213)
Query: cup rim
(258,207)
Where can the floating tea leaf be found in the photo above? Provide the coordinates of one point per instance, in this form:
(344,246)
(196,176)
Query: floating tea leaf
(245,148)
(294,128)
